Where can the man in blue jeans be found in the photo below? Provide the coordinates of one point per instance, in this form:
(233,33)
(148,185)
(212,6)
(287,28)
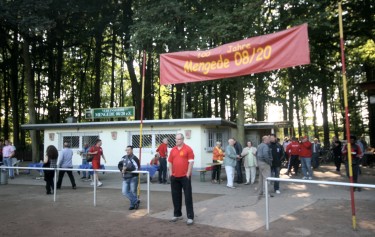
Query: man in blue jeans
(8,153)
(130,163)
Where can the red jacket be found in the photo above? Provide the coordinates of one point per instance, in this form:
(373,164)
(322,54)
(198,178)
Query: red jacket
(293,148)
(305,149)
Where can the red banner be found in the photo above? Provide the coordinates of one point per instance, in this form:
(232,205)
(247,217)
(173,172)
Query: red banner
(283,49)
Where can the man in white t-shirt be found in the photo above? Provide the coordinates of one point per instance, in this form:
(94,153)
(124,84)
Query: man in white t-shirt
(8,153)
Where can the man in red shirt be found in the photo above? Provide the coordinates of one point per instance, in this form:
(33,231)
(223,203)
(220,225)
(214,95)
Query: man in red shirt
(163,152)
(292,150)
(97,153)
(356,157)
(305,155)
(181,161)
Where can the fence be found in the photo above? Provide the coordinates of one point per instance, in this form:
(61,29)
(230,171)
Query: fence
(357,185)
(94,178)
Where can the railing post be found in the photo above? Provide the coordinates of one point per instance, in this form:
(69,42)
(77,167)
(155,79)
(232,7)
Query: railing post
(54,185)
(94,175)
(148,193)
(267,208)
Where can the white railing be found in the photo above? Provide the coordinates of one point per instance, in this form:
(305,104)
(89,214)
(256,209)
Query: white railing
(94,178)
(357,185)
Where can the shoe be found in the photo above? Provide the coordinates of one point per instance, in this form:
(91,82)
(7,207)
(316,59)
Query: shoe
(92,183)
(48,193)
(278,191)
(99,184)
(83,178)
(11,177)
(136,206)
(304,177)
(74,187)
(79,172)
(176,218)
(359,189)
(310,178)
(131,208)
(189,222)
(247,183)
(231,187)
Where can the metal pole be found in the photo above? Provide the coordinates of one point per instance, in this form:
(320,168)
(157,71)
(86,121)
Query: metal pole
(347,122)
(267,208)
(94,188)
(148,193)
(54,186)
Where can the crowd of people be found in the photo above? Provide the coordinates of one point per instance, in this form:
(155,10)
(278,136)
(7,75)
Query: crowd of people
(176,166)
(270,154)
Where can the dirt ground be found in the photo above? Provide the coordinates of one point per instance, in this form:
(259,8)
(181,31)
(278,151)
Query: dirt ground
(27,211)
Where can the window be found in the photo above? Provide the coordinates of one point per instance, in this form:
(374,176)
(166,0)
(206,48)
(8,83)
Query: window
(146,141)
(89,140)
(152,140)
(216,136)
(171,139)
(77,140)
(73,141)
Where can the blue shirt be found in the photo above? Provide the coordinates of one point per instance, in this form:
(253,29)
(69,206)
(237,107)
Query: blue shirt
(65,159)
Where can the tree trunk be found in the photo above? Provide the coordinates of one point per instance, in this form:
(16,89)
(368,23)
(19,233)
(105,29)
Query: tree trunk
(14,89)
(113,58)
(291,111)
(298,116)
(313,107)
(222,100)
(96,103)
(325,113)
(30,100)
(260,99)
(241,111)
(285,116)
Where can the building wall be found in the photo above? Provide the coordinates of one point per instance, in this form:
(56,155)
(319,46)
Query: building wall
(114,148)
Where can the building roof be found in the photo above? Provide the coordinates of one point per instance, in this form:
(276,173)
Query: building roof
(268,125)
(135,123)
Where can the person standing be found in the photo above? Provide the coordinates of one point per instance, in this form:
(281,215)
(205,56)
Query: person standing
(293,151)
(8,154)
(127,165)
(83,153)
(65,161)
(264,159)
(97,153)
(218,155)
(336,150)
(163,152)
(238,148)
(315,153)
(230,162)
(50,161)
(277,152)
(250,162)
(1,150)
(305,155)
(181,161)
(356,157)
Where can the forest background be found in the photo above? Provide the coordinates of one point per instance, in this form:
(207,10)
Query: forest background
(60,57)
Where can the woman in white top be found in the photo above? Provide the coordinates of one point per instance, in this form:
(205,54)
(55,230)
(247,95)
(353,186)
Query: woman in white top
(250,162)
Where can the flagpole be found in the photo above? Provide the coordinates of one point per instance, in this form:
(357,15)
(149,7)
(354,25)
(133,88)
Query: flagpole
(347,122)
(141,125)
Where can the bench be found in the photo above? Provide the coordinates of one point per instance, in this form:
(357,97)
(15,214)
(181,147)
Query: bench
(202,175)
